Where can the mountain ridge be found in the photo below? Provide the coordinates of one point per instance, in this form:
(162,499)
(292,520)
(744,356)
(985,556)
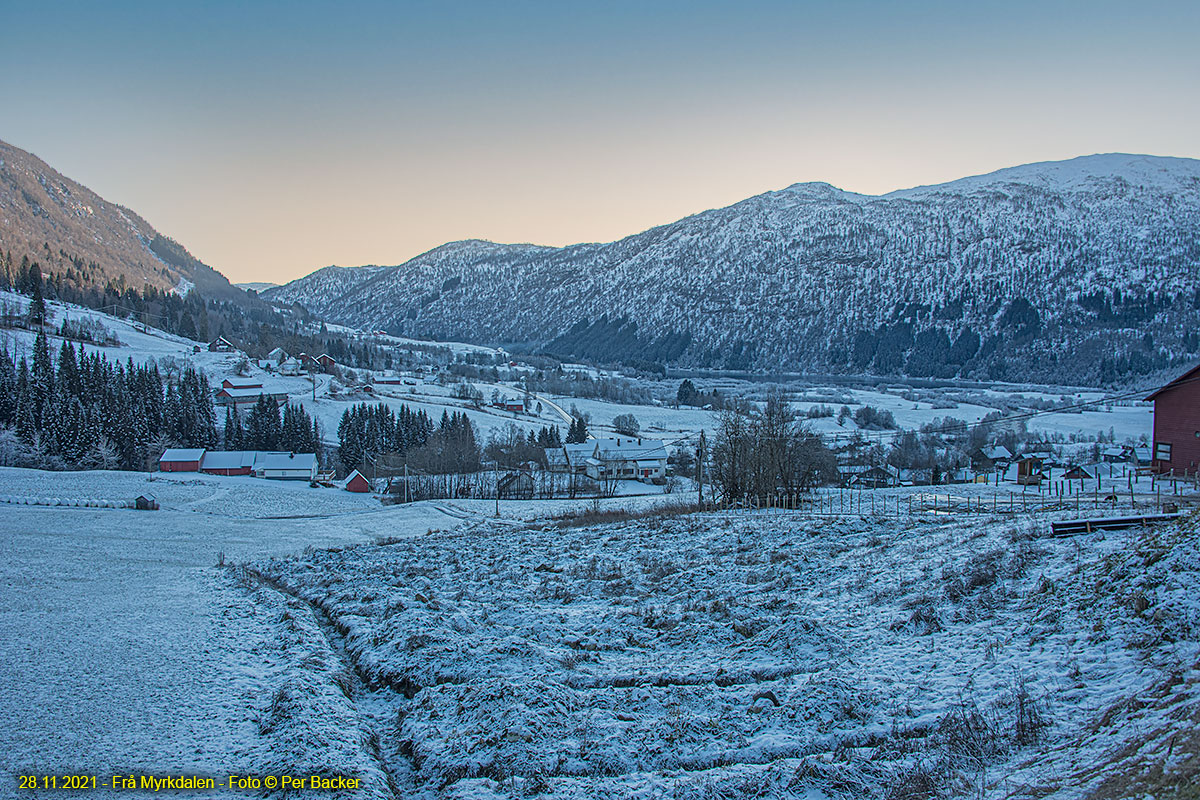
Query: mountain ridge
(55,220)
(846,276)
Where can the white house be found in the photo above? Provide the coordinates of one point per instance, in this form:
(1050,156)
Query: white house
(628,459)
(286,466)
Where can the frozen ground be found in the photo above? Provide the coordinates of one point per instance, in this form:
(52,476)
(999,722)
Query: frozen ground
(123,648)
(759,655)
(435,651)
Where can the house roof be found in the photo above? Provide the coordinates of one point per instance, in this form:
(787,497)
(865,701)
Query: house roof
(252,392)
(243,383)
(306,461)
(228,459)
(182,454)
(624,449)
(576,451)
(997,452)
(1192,374)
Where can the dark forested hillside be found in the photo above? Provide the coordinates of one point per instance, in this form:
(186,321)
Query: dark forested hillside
(1083,270)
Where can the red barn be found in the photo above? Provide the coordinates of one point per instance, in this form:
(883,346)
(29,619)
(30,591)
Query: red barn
(1177,425)
(175,459)
(355,482)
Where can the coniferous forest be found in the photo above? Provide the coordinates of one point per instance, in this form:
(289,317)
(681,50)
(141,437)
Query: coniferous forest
(79,410)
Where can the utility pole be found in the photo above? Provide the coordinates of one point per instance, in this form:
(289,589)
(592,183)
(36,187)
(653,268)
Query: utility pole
(700,471)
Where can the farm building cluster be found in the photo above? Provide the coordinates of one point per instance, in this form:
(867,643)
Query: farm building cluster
(612,459)
(261,464)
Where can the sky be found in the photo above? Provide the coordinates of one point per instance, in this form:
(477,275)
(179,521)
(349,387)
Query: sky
(273,139)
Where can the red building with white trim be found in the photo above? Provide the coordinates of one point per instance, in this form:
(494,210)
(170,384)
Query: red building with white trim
(1176,448)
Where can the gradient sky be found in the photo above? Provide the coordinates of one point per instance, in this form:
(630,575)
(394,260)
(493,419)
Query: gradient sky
(275,138)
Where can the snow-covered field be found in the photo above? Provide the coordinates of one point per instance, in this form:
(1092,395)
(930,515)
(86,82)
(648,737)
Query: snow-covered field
(435,651)
(752,655)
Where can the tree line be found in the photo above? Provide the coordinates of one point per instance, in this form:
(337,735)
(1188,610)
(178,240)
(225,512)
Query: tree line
(84,411)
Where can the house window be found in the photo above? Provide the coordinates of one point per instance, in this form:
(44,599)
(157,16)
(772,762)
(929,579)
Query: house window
(1162,451)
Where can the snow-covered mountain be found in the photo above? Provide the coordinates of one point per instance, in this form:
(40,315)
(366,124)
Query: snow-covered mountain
(62,224)
(1083,269)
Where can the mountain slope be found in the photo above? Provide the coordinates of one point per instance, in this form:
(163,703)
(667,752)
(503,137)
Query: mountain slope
(44,215)
(1083,269)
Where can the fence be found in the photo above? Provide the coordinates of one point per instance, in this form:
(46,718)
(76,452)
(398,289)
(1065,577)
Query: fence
(849,502)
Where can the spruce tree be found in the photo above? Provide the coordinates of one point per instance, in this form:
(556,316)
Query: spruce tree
(37,306)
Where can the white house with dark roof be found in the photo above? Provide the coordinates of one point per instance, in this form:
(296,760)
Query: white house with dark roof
(628,458)
(286,466)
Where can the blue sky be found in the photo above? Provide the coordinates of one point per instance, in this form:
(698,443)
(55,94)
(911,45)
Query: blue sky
(275,138)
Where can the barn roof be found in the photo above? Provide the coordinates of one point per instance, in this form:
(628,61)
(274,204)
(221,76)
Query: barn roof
(182,454)
(228,459)
(1192,374)
(242,383)
(252,392)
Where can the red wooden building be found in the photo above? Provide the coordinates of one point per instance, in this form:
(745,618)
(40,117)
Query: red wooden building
(355,482)
(175,459)
(1177,425)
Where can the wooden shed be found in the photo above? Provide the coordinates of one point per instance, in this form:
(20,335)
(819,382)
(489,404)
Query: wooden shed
(355,482)
(516,486)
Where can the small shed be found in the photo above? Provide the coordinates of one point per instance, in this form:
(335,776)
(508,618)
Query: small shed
(145,502)
(355,482)
(1114,455)
(1029,470)
(179,459)
(1077,473)
(516,486)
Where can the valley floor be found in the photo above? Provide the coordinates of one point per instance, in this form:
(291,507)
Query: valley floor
(435,652)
